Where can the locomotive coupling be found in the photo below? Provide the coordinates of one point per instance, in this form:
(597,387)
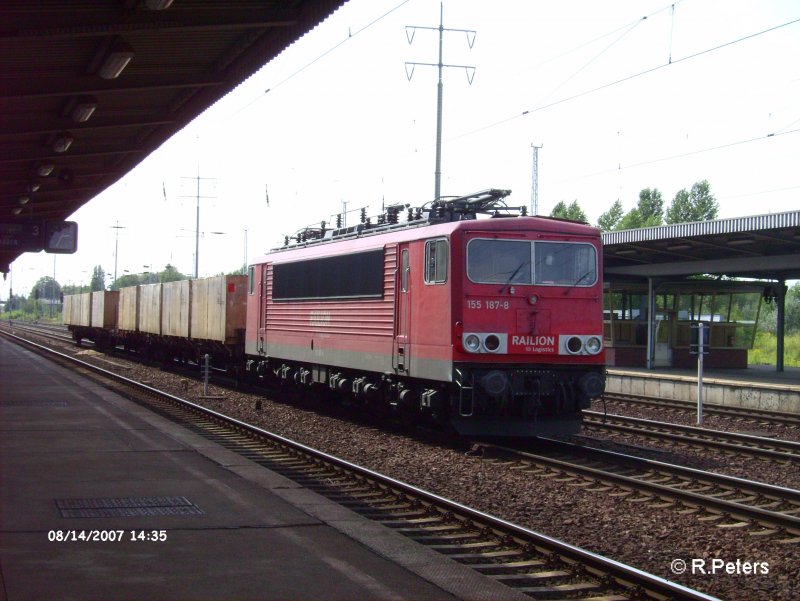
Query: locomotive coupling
(592,384)
(495,383)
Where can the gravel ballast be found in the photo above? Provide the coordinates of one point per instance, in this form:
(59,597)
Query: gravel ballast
(737,565)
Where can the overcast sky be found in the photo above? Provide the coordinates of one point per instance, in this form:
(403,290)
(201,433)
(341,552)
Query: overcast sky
(621,95)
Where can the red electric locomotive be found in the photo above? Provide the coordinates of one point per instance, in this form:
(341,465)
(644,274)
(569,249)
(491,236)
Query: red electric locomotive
(492,325)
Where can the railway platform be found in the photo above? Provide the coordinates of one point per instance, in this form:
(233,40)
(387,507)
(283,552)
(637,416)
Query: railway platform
(757,387)
(103,499)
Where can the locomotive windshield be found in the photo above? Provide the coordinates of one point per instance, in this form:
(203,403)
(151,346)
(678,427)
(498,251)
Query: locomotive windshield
(491,261)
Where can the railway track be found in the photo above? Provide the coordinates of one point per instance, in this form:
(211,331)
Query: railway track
(761,416)
(728,502)
(715,497)
(52,331)
(730,442)
(520,558)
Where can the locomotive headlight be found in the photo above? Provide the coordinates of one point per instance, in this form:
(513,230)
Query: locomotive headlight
(593,345)
(574,345)
(472,343)
(492,343)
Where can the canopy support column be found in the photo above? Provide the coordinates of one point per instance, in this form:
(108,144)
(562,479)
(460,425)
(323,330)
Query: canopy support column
(781,325)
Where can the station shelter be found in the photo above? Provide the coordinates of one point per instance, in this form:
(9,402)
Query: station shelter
(659,280)
(731,309)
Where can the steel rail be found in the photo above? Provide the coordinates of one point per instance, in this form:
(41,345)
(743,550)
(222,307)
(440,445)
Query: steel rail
(738,443)
(39,330)
(631,579)
(776,417)
(732,509)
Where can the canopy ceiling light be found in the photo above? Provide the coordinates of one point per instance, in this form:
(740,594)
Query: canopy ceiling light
(23,200)
(45,169)
(16,210)
(62,142)
(157,4)
(118,57)
(84,109)
(34,186)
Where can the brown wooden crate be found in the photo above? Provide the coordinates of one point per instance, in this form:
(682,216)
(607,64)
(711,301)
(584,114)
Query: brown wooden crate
(129,309)
(218,308)
(105,306)
(150,308)
(175,303)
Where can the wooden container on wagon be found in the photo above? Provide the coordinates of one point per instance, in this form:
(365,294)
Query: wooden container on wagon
(175,303)
(66,310)
(105,306)
(128,319)
(218,308)
(150,308)
(78,309)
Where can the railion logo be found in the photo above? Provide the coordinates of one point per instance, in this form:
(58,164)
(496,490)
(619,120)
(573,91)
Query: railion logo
(533,340)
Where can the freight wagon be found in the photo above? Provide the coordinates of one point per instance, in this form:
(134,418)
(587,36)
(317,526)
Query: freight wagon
(175,320)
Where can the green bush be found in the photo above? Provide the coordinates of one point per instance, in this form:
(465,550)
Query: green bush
(764,350)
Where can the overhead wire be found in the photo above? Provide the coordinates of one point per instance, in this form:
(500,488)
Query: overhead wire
(759,193)
(621,80)
(593,59)
(682,155)
(600,37)
(349,37)
(628,29)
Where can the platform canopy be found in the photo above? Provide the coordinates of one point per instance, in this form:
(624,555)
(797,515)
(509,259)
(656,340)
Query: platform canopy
(760,247)
(89,88)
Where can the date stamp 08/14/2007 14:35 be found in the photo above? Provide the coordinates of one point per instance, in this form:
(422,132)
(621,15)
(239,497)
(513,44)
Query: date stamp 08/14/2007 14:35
(66,536)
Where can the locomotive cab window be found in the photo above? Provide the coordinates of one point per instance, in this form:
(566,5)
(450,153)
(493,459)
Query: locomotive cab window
(564,264)
(251,279)
(492,261)
(436,261)
(499,261)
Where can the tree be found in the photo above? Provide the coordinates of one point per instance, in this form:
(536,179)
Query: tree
(171,274)
(98,279)
(572,212)
(696,205)
(768,320)
(632,220)
(651,207)
(125,281)
(608,221)
(46,288)
(75,288)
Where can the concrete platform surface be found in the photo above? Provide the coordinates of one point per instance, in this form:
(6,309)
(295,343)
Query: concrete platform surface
(102,499)
(755,375)
(757,387)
